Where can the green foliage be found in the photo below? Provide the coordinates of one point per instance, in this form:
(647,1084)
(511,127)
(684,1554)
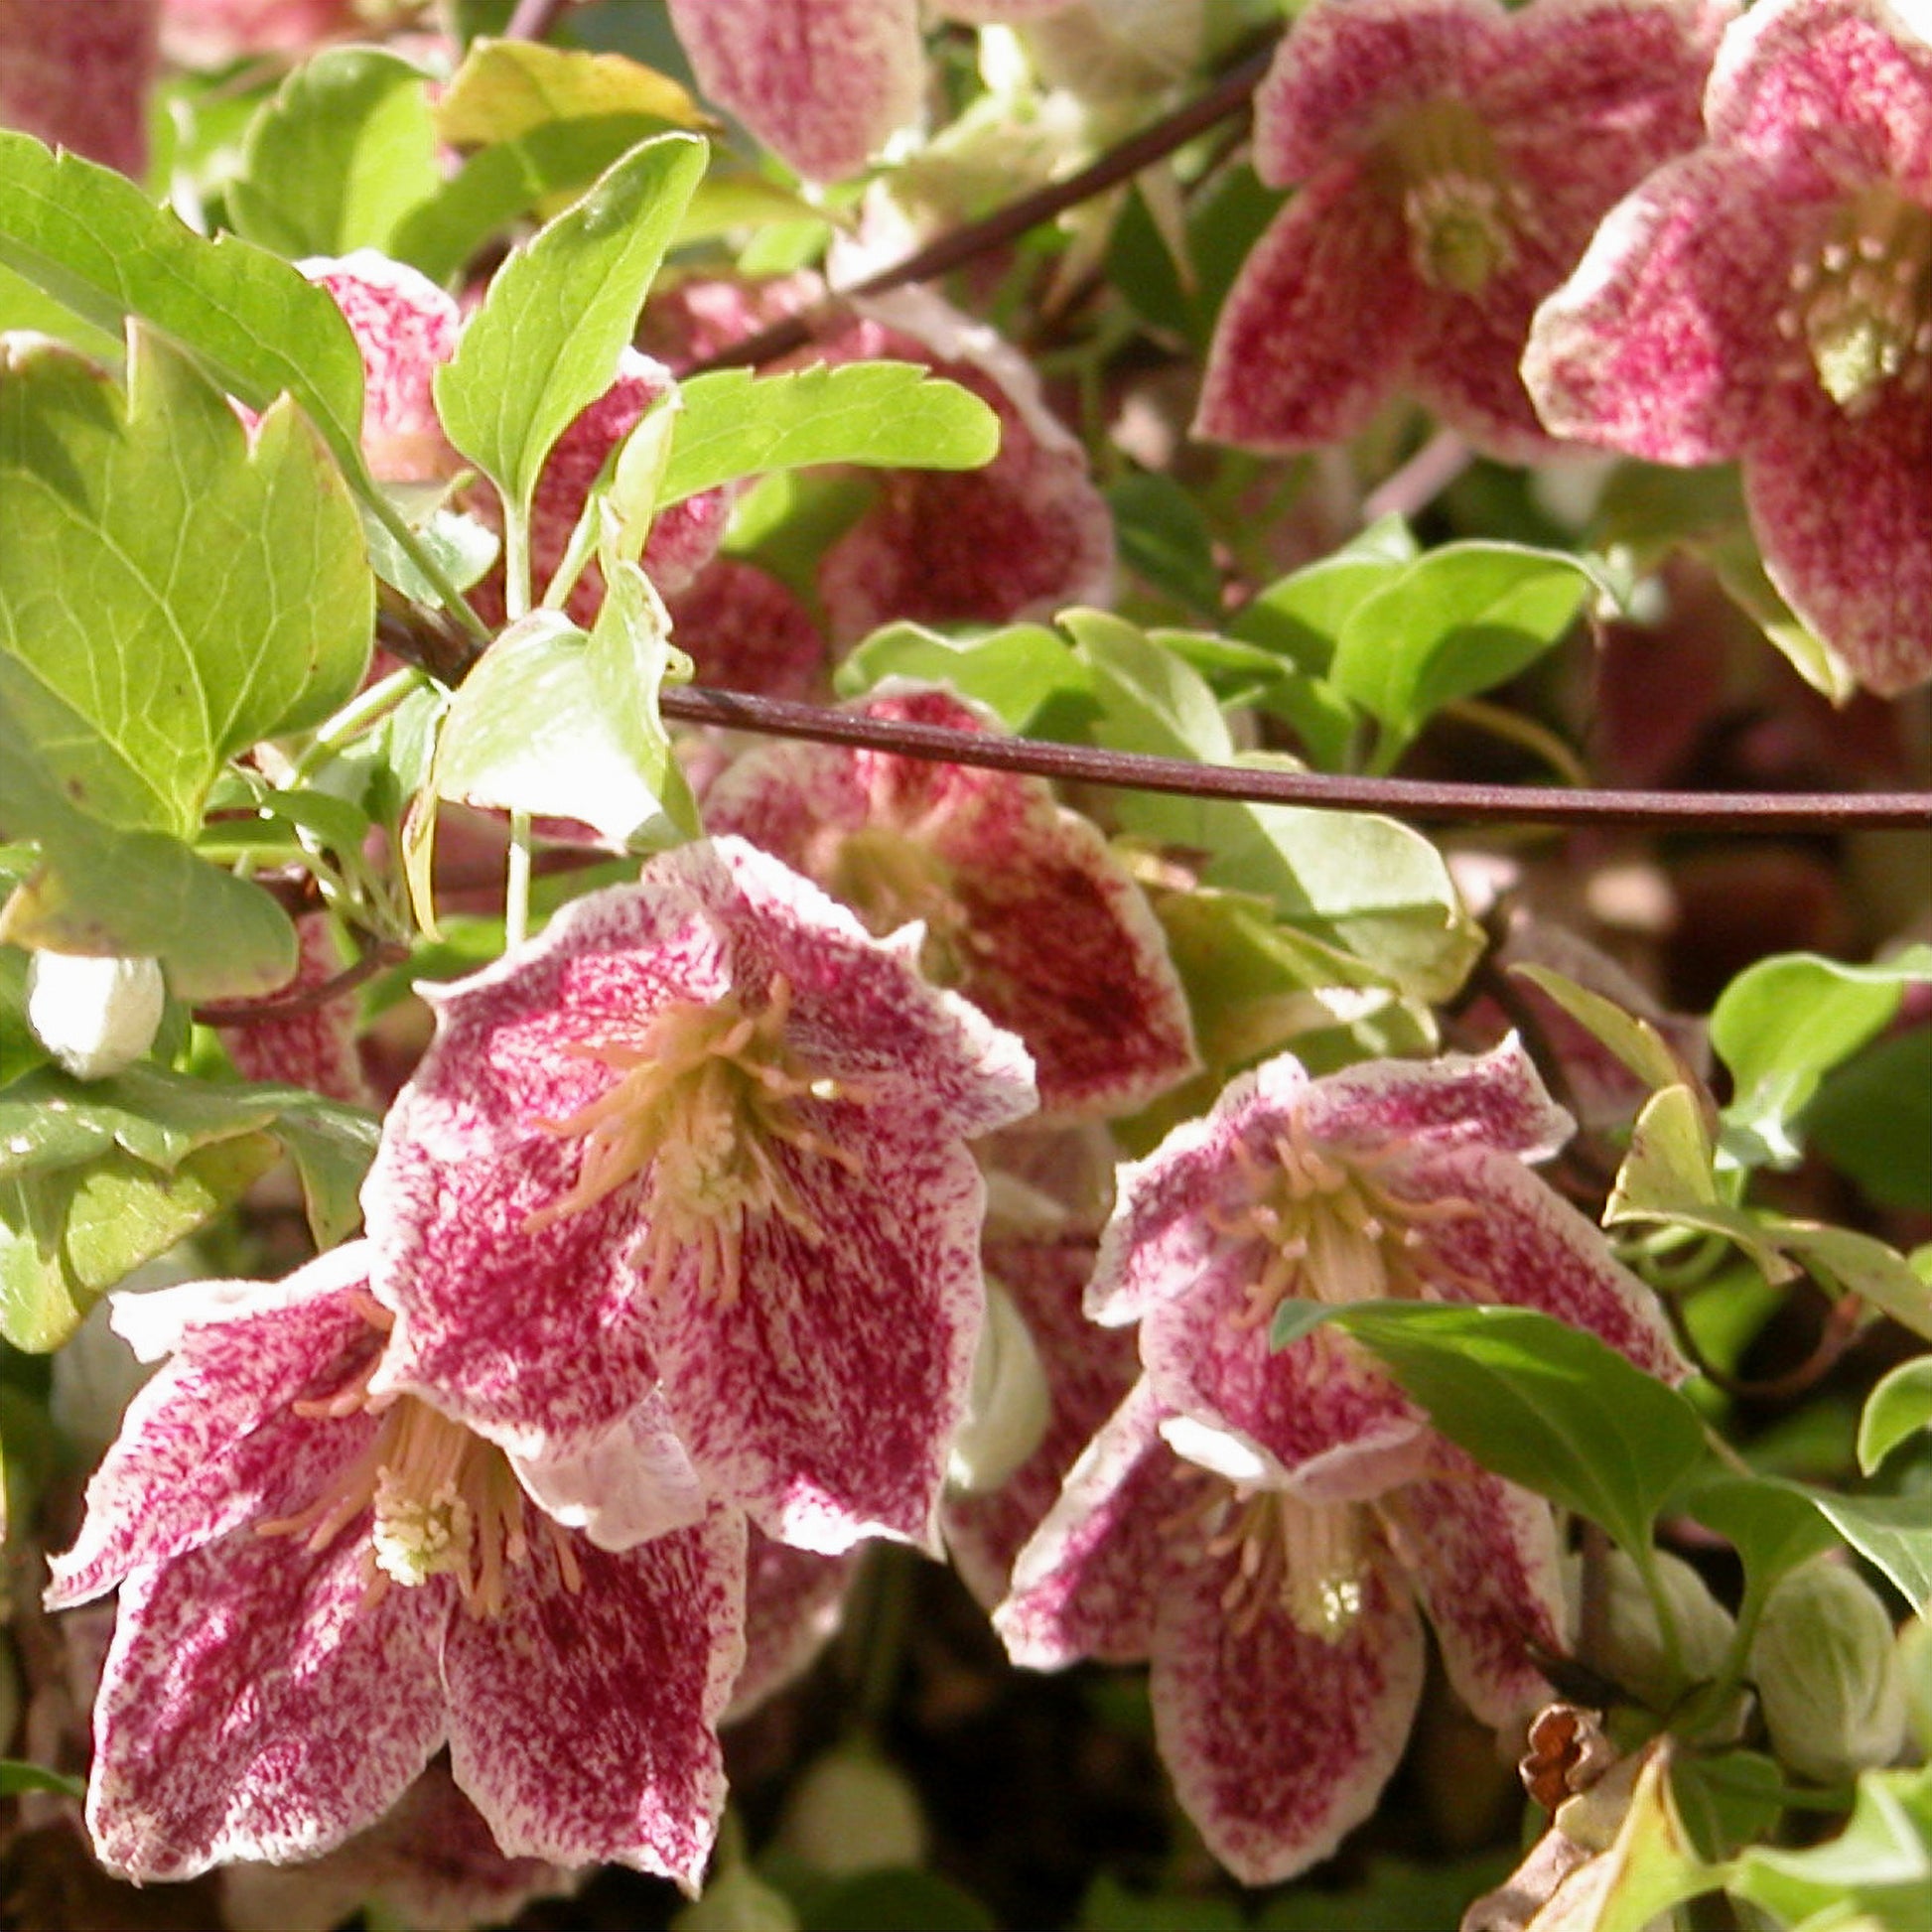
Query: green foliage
(16,1777)
(1901,1405)
(733,424)
(1164,536)
(1876,1872)
(558,315)
(339,157)
(1872,1118)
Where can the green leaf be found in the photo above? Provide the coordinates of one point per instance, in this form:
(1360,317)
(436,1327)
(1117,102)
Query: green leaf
(561,724)
(1901,1405)
(132,668)
(94,242)
(1546,1405)
(891,1900)
(1632,1038)
(1110,1907)
(1151,699)
(885,415)
(337,155)
(1163,534)
(1872,1118)
(1772,1528)
(1729,1800)
(1426,1896)
(1668,1166)
(559,314)
(504,89)
(1892,1533)
(1023,671)
(1784,1023)
(1653,1864)
(1457,621)
(1875,1874)
(1301,618)
(17,1776)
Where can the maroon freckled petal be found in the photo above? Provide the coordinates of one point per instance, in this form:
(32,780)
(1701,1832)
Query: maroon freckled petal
(254,1707)
(823,83)
(77,75)
(633,1482)
(315,1048)
(1280,1742)
(583,1724)
(793,1603)
(744,630)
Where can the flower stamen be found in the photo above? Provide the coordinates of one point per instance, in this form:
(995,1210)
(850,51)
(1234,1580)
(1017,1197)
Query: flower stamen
(1440,168)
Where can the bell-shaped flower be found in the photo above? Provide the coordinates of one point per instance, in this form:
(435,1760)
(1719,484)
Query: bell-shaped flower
(1451,160)
(320,1587)
(78,76)
(1770,298)
(1026,910)
(1403,1179)
(1287,1652)
(706,1136)
(407,328)
(297,1038)
(822,82)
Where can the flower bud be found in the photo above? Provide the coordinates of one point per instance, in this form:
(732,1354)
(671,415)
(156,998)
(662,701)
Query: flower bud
(1007,1406)
(1828,1674)
(94,1015)
(737,1900)
(852,1812)
(1633,1654)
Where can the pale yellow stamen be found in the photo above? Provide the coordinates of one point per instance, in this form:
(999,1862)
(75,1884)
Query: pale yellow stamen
(892,878)
(1439,165)
(707,1099)
(1862,301)
(1307,1562)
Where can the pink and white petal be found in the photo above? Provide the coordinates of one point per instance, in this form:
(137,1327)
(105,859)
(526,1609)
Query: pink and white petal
(1089,1371)
(628,1486)
(315,1048)
(1088,1581)
(824,1397)
(1322,1408)
(211,1441)
(1520,1242)
(1662,343)
(1347,65)
(1496,1100)
(1842,506)
(794,1601)
(745,631)
(1848,81)
(584,1723)
(1483,1555)
(1278,1744)
(822,82)
(78,76)
(1291,365)
(407,329)
(213,33)
(257,1705)
(1467,364)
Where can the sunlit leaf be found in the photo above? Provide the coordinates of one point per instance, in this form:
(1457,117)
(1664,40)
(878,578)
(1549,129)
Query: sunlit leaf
(1898,1406)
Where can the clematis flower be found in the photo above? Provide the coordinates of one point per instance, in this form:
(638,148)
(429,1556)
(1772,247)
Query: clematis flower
(1026,910)
(407,328)
(316,1047)
(1770,298)
(78,76)
(319,1588)
(1287,1653)
(1450,161)
(822,82)
(703,1136)
(1401,1179)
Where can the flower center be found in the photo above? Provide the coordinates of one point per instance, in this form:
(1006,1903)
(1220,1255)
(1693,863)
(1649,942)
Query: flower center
(1329,1227)
(1862,302)
(1439,167)
(441,1501)
(707,1100)
(889,879)
(1307,1562)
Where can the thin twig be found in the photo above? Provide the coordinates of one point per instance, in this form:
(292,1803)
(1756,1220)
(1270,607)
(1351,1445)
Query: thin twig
(1409,798)
(1228,96)
(379,956)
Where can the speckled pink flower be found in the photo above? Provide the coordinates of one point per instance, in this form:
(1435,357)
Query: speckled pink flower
(1403,1179)
(1451,160)
(1287,1652)
(1026,910)
(406,327)
(319,1588)
(1770,298)
(77,75)
(705,1137)
(314,1048)
(822,82)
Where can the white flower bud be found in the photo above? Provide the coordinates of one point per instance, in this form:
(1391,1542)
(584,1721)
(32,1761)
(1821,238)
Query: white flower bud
(737,1900)
(1633,1654)
(94,1015)
(1007,1406)
(852,1812)
(1828,1674)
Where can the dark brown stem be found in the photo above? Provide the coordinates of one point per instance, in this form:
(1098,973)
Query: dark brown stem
(534,19)
(379,956)
(1228,96)
(1409,798)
